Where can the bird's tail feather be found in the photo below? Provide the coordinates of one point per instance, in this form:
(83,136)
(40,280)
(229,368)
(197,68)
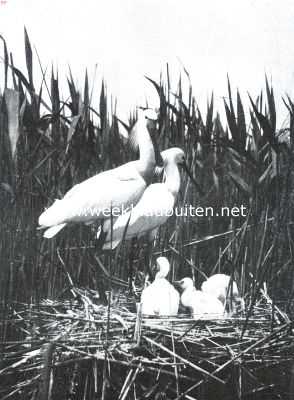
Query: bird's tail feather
(111,245)
(49,233)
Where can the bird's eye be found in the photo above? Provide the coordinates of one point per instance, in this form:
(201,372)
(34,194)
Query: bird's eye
(146,117)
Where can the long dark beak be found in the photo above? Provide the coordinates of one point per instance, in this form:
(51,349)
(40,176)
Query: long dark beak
(154,269)
(176,284)
(198,187)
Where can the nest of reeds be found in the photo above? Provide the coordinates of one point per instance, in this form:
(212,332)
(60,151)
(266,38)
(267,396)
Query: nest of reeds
(80,349)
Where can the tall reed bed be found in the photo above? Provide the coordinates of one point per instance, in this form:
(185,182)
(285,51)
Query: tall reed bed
(48,144)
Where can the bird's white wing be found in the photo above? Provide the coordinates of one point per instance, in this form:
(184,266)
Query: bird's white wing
(170,299)
(51,232)
(153,209)
(147,300)
(125,172)
(205,305)
(160,298)
(218,285)
(96,197)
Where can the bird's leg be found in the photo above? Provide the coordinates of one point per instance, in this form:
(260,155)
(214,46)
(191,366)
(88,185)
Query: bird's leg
(99,277)
(131,265)
(148,258)
(101,291)
(148,252)
(101,239)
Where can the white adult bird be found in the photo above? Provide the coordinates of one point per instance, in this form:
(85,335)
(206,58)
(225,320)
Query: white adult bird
(155,206)
(160,298)
(224,289)
(113,191)
(200,304)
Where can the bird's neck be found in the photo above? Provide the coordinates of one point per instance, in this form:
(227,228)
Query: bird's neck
(186,297)
(160,275)
(173,178)
(189,290)
(146,162)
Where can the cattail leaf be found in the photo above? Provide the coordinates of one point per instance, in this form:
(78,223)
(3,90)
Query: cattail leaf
(155,84)
(259,102)
(71,131)
(218,128)
(209,116)
(289,105)
(265,125)
(39,100)
(22,79)
(74,94)
(265,174)
(232,123)
(103,107)
(234,157)
(255,138)
(241,122)
(240,183)
(271,104)
(215,179)
(160,92)
(183,106)
(15,85)
(29,59)
(173,108)
(6,62)
(86,92)
(8,188)
(12,106)
(22,109)
(274,169)
(123,135)
(200,119)
(55,97)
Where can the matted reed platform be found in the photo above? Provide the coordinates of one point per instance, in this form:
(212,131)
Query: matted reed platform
(80,350)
